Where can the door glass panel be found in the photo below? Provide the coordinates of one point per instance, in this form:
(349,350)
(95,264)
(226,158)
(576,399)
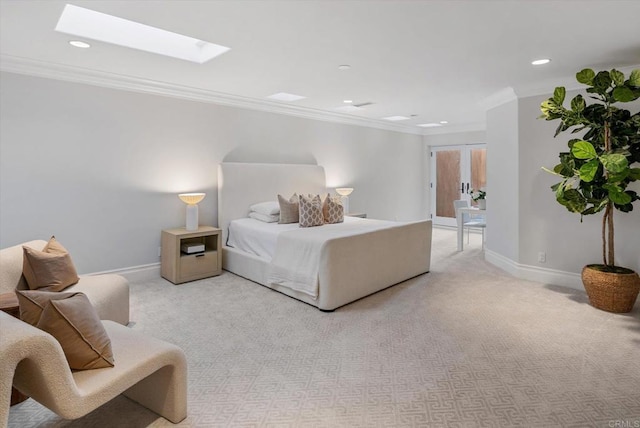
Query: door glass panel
(447,182)
(478,169)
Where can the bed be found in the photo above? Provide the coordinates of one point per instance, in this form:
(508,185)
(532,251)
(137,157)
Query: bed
(349,265)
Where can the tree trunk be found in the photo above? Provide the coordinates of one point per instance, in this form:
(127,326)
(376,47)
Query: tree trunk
(612,259)
(607,221)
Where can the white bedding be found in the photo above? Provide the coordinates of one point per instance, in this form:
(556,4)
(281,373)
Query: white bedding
(259,238)
(294,252)
(256,237)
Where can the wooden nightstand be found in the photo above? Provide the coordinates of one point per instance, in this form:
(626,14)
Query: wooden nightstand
(179,267)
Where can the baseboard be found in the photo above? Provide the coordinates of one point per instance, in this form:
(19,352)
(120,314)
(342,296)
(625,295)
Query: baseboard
(136,273)
(534,273)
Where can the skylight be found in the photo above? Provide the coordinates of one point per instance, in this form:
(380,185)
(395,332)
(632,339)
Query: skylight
(283,96)
(99,26)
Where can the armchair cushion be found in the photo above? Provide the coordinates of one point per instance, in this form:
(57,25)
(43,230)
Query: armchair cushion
(51,268)
(70,318)
(32,303)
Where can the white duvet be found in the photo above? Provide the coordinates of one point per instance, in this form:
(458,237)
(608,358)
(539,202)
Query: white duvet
(294,252)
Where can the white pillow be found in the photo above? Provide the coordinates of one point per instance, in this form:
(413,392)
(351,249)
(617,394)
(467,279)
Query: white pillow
(266,208)
(264,217)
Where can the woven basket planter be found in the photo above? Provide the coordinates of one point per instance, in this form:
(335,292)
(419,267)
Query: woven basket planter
(611,292)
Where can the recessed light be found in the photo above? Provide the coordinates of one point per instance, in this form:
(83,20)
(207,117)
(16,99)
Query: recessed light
(348,101)
(443,122)
(94,25)
(541,61)
(283,96)
(79,44)
(396,118)
(344,67)
(430,125)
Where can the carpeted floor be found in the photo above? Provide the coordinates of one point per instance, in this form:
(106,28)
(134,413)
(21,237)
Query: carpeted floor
(463,346)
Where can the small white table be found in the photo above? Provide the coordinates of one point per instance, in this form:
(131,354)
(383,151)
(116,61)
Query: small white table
(460,211)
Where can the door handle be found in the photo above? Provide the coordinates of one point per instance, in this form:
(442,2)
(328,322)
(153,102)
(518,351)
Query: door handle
(462,188)
(467,187)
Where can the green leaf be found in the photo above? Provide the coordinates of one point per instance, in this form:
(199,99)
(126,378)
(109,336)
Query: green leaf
(583,150)
(634,173)
(554,172)
(574,201)
(602,81)
(578,104)
(548,108)
(615,163)
(586,76)
(617,178)
(558,95)
(617,77)
(624,94)
(588,170)
(634,79)
(617,196)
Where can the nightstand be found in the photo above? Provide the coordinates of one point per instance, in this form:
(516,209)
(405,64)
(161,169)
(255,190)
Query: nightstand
(178,266)
(361,215)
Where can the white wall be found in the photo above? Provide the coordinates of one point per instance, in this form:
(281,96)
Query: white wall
(503,175)
(101,168)
(547,226)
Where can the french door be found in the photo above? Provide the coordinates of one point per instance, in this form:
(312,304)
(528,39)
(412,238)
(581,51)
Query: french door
(455,171)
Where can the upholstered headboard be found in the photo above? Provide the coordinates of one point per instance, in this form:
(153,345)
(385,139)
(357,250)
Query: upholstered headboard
(241,185)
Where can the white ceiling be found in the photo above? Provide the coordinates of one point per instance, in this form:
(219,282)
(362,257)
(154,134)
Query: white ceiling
(438,60)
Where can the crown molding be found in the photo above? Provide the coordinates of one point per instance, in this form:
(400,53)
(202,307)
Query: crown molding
(49,70)
(498,98)
(453,129)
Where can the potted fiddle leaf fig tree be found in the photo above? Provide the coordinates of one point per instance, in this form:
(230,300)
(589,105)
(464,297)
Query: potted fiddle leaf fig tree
(597,169)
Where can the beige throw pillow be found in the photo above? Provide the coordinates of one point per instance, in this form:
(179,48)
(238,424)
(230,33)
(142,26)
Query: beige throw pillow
(73,321)
(32,303)
(289,212)
(311,211)
(50,269)
(332,210)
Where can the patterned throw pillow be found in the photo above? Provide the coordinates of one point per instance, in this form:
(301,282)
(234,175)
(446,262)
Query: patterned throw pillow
(289,212)
(311,211)
(332,210)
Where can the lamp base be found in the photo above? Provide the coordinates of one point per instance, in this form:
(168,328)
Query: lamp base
(345,204)
(192,218)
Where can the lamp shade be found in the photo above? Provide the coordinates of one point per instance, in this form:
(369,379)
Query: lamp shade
(191,198)
(344,191)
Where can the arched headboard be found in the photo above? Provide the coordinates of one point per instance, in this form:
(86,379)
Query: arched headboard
(241,185)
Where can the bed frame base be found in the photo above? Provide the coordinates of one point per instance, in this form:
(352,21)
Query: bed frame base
(351,267)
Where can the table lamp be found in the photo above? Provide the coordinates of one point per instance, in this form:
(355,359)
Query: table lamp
(192,200)
(344,193)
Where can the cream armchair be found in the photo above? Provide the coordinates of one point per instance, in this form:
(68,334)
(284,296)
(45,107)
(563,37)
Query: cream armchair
(109,294)
(147,370)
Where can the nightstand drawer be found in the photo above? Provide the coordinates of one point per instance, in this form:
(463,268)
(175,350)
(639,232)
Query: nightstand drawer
(198,264)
